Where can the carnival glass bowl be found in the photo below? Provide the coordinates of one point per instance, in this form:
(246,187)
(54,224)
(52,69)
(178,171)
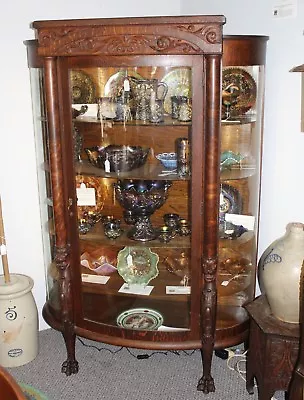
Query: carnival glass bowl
(137,265)
(101,261)
(179,265)
(234,275)
(143,198)
(169,160)
(122,158)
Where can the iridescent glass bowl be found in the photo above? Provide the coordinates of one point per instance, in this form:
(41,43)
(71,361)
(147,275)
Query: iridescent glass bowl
(137,265)
(143,198)
(121,158)
(179,265)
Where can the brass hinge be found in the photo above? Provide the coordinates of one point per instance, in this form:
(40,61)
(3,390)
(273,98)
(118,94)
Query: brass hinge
(70,204)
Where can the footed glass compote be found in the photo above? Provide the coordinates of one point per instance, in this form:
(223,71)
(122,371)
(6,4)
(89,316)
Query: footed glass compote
(143,198)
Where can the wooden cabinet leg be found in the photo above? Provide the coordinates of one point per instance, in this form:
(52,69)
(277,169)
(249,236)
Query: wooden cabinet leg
(249,373)
(70,366)
(206,383)
(296,387)
(265,392)
(250,383)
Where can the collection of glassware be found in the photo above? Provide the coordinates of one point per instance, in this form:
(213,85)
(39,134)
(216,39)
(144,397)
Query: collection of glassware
(150,101)
(143,100)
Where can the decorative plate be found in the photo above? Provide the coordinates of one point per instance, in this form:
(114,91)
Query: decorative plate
(144,319)
(246,85)
(137,265)
(230,201)
(114,85)
(83,88)
(179,84)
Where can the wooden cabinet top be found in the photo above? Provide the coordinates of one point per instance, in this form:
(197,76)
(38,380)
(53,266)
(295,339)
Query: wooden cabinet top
(136,35)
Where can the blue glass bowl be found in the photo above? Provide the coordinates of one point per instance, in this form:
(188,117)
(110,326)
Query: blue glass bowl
(169,160)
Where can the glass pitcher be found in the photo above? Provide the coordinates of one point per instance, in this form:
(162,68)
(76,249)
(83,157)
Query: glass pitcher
(145,92)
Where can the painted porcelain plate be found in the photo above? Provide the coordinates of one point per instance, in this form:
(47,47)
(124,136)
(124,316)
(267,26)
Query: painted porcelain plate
(144,319)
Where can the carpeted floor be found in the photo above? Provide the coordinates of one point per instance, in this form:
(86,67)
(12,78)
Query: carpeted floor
(108,372)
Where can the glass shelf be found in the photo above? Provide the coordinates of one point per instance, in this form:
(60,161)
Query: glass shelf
(148,172)
(168,121)
(238,173)
(96,234)
(241,120)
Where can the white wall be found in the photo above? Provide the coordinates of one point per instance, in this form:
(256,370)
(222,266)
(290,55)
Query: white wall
(282,183)
(18,177)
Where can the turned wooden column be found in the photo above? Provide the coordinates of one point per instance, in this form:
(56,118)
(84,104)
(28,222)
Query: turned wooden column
(61,206)
(210,218)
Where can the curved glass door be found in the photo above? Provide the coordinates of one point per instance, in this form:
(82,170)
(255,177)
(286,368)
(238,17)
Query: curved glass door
(132,153)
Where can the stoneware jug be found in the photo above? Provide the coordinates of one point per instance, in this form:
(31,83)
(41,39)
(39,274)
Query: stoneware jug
(18,321)
(279,273)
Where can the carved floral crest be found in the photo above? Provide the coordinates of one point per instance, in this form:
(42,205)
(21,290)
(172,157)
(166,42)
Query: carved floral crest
(139,40)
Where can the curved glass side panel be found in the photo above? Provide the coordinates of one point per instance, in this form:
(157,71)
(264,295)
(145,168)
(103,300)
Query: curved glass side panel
(44,182)
(242,102)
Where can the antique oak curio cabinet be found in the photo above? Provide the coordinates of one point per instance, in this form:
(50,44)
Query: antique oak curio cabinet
(151,219)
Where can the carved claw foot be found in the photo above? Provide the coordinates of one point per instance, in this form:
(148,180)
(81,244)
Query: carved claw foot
(206,384)
(70,367)
(249,388)
(249,382)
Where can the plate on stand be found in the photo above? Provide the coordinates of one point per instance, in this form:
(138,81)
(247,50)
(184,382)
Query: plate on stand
(115,84)
(83,88)
(246,85)
(144,319)
(179,84)
(137,265)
